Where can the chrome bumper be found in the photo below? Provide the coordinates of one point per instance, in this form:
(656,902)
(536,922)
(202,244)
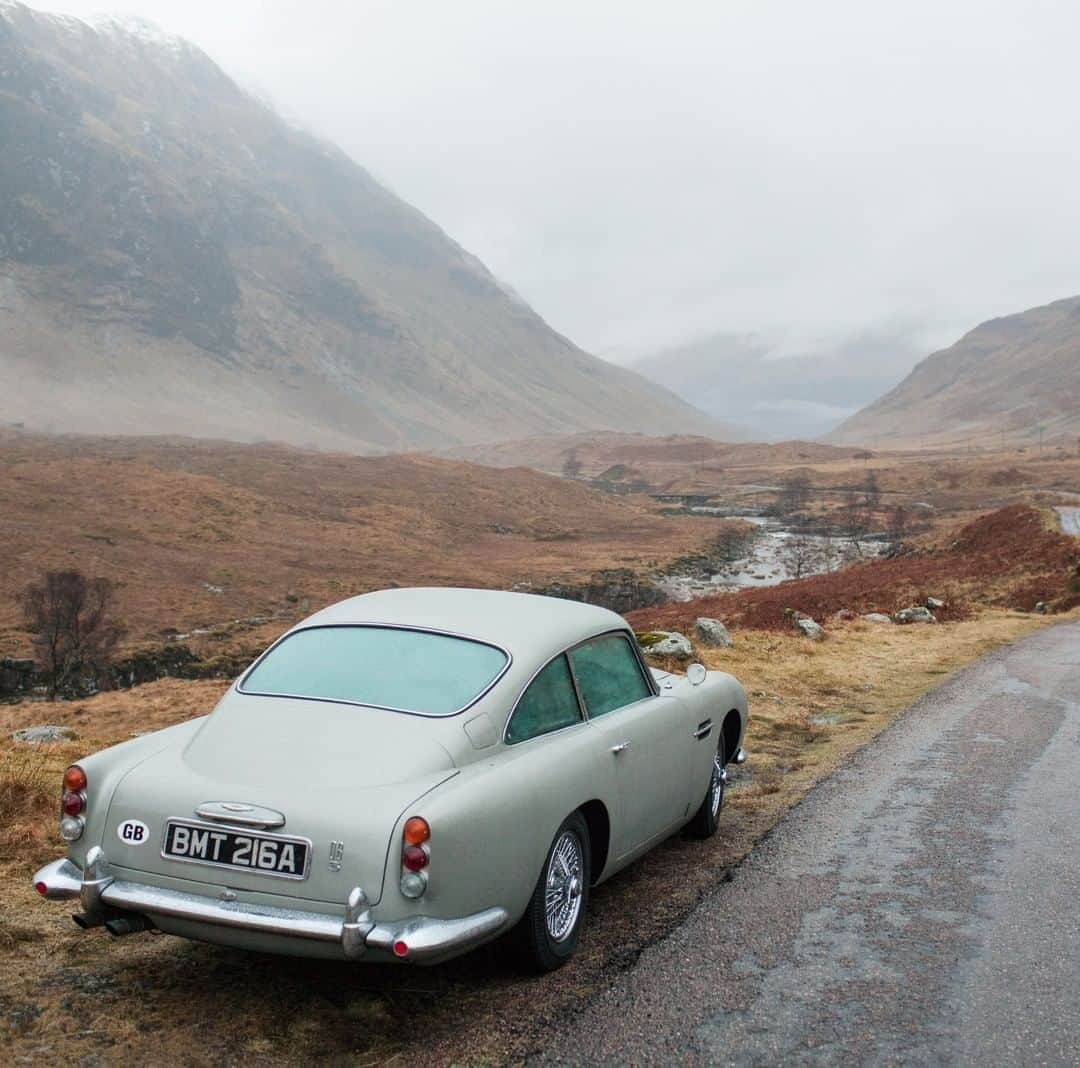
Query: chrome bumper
(740,756)
(419,938)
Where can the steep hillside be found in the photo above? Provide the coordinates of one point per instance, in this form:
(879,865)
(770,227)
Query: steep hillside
(175,258)
(1012,378)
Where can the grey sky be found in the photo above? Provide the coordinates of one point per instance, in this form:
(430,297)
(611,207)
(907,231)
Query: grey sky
(648,173)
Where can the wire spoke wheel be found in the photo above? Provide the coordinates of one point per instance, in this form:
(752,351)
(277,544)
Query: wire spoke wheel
(563,885)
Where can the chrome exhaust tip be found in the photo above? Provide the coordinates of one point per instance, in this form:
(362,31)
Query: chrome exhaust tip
(740,756)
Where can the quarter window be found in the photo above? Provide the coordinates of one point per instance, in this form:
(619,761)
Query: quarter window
(608,674)
(548,704)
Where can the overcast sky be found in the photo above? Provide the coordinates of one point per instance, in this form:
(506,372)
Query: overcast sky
(648,173)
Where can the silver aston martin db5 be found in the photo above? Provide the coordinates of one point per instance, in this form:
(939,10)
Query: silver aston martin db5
(403,776)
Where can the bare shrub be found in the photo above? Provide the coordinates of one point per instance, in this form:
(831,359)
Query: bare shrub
(70,618)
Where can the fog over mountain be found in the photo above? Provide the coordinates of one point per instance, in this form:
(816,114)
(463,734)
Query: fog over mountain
(779,391)
(650,174)
(174,258)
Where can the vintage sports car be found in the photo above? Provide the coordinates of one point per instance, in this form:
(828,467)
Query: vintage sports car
(404,775)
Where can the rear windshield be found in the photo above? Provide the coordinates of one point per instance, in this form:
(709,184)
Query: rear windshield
(405,670)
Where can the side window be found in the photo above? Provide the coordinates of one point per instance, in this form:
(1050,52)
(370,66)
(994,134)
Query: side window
(548,704)
(608,674)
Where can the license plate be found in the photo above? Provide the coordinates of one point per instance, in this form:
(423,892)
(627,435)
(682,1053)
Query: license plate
(266,854)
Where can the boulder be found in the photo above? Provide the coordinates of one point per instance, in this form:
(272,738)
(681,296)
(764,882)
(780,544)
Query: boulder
(45,733)
(934,603)
(712,632)
(804,624)
(667,643)
(877,617)
(811,629)
(915,614)
(845,615)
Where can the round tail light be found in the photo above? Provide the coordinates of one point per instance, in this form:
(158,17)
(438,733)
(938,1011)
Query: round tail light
(72,803)
(41,888)
(74,779)
(414,857)
(417,831)
(400,948)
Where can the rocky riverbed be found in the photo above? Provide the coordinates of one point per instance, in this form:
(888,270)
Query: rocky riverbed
(775,554)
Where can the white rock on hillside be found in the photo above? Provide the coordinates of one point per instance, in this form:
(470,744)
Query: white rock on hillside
(45,733)
(671,643)
(713,632)
(915,614)
(877,617)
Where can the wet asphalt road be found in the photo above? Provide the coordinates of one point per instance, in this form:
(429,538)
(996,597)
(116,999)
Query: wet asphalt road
(921,907)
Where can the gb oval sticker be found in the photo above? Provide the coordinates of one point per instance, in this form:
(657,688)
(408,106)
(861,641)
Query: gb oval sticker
(133,832)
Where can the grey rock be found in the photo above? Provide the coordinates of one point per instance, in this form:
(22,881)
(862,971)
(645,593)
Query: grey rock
(1041,608)
(45,733)
(671,643)
(915,614)
(877,617)
(712,632)
(934,602)
(810,628)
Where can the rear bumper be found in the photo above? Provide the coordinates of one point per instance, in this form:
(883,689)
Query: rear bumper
(421,939)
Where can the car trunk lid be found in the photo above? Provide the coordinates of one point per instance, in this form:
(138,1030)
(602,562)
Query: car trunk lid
(341,777)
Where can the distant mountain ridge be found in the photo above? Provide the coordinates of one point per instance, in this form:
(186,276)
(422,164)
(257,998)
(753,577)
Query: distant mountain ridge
(1015,378)
(174,258)
(774,394)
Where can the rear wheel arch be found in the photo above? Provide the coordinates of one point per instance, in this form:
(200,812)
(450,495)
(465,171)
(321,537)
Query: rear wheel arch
(731,731)
(599,824)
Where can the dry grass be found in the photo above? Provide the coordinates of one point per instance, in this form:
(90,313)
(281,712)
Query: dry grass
(811,706)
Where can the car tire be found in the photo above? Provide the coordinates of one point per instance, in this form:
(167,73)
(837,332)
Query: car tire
(549,930)
(703,825)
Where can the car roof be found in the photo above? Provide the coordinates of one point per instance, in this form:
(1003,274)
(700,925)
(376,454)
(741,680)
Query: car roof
(523,623)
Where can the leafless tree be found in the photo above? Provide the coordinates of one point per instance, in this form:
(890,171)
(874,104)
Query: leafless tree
(899,520)
(858,522)
(793,495)
(803,555)
(572,466)
(871,492)
(69,616)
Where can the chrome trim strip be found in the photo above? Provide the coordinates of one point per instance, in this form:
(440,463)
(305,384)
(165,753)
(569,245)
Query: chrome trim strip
(205,826)
(239,684)
(267,919)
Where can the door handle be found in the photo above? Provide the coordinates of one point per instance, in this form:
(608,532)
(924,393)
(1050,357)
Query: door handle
(620,748)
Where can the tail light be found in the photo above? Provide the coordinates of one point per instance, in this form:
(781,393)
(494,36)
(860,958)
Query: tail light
(415,857)
(73,804)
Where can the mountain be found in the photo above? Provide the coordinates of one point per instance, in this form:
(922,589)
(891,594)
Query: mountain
(175,258)
(777,392)
(1015,378)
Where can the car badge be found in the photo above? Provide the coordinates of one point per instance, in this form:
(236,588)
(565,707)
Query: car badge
(337,851)
(236,806)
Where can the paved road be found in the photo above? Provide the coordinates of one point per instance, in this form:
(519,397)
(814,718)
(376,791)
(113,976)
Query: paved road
(921,907)
(1070,520)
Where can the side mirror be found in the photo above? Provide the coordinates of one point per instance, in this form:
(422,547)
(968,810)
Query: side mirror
(696,674)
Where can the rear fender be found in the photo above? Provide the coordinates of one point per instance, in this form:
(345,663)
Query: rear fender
(492,825)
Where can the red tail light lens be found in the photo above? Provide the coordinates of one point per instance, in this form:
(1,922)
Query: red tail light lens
(414,857)
(41,888)
(400,948)
(75,779)
(71,803)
